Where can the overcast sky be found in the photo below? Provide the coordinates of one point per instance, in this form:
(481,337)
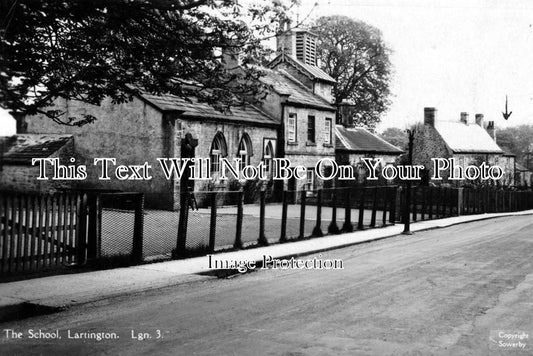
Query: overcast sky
(455,55)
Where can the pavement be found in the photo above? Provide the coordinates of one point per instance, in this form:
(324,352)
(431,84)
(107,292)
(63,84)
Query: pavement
(54,293)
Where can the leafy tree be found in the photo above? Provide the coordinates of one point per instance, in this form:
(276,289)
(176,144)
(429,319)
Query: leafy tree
(396,137)
(518,140)
(354,54)
(87,50)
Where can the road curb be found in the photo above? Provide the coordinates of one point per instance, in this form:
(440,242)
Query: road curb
(14,308)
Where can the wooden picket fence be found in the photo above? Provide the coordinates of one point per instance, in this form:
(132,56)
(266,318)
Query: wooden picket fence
(41,231)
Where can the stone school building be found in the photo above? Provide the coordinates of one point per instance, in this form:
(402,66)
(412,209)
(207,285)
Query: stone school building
(151,127)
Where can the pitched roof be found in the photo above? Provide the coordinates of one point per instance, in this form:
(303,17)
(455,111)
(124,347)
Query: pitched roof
(312,72)
(521,168)
(197,110)
(359,139)
(466,138)
(20,149)
(285,84)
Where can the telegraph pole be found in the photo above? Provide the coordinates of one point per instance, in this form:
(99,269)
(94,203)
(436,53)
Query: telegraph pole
(407,206)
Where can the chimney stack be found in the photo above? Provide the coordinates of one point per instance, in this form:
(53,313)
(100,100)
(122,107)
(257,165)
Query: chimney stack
(480,120)
(464,118)
(285,40)
(429,116)
(491,130)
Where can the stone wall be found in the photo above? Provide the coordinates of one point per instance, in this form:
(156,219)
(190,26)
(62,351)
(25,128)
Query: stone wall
(429,144)
(205,132)
(131,132)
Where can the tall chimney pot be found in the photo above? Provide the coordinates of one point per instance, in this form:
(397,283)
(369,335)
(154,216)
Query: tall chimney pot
(480,119)
(491,130)
(464,118)
(429,116)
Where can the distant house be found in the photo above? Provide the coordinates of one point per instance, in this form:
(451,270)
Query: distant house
(355,143)
(470,143)
(16,153)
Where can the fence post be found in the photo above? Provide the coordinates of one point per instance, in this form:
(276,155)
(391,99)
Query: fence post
(486,208)
(347,227)
(466,201)
(332,228)
(284,200)
(452,201)
(460,193)
(360,220)
(213,222)
(430,203)
(238,232)
(181,241)
(317,231)
(81,234)
(262,239)
(414,191)
(18,256)
(393,201)
(423,202)
(374,207)
(4,237)
(442,196)
(137,249)
(385,198)
(303,196)
(406,213)
(93,203)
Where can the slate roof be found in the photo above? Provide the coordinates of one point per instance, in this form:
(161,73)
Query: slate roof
(285,84)
(521,168)
(311,71)
(202,111)
(360,140)
(466,138)
(20,149)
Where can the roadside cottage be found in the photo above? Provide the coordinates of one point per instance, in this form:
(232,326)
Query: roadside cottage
(355,143)
(469,143)
(17,152)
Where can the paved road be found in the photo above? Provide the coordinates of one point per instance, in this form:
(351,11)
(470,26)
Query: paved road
(443,292)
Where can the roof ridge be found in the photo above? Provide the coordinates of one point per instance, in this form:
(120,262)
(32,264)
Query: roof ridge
(342,138)
(303,67)
(381,138)
(478,141)
(302,85)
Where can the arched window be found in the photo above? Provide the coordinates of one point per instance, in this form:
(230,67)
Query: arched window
(244,152)
(269,156)
(218,150)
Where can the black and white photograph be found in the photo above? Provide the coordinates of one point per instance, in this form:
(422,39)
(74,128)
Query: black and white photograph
(266,177)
